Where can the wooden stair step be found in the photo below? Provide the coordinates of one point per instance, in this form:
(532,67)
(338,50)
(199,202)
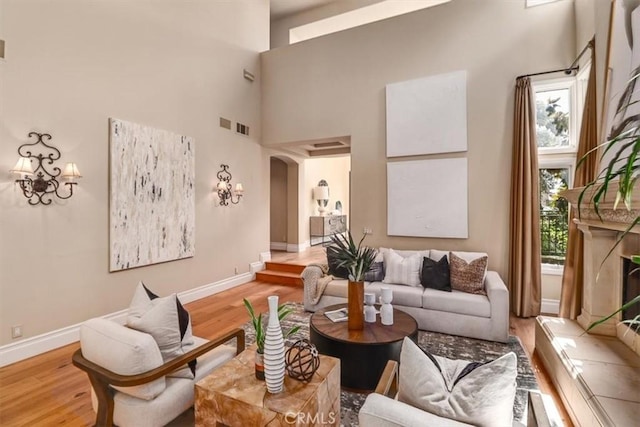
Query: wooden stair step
(284,266)
(280,277)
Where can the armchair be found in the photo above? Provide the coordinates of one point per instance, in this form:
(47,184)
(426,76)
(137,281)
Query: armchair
(129,381)
(381,409)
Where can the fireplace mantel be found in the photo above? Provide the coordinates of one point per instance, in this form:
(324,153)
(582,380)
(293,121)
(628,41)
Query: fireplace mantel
(607,217)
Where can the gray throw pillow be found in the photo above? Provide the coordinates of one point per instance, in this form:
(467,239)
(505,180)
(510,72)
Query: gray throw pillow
(167,321)
(375,273)
(481,394)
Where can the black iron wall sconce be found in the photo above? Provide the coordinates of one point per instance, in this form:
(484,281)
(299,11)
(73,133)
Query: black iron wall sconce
(39,185)
(224,187)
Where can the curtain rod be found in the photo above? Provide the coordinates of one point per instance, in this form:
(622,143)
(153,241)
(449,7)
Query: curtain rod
(573,67)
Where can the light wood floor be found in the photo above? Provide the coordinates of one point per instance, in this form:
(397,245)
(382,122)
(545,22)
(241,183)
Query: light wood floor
(48,390)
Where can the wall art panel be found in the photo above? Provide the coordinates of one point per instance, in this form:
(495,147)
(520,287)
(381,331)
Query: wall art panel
(427,198)
(152,203)
(427,115)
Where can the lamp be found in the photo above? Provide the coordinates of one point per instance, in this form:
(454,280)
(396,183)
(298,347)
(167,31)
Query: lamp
(224,187)
(44,186)
(321,195)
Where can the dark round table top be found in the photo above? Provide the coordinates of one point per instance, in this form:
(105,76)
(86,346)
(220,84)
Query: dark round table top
(372,334)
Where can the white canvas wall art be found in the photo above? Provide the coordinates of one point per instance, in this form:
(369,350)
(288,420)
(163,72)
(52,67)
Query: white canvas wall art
(427,115)
(152,203)
(427,198)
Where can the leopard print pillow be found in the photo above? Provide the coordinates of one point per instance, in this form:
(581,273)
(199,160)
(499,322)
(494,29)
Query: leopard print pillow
(467,277)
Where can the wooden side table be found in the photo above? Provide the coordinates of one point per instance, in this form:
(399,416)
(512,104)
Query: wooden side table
(231,395)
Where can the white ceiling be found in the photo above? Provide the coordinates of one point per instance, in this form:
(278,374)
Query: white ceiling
(282,8)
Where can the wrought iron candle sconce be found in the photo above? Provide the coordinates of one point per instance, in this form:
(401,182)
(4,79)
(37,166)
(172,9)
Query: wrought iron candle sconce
(224,187)
(40,184)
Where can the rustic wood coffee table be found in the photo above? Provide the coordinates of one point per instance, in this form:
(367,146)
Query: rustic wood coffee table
(231,395)
(363,354)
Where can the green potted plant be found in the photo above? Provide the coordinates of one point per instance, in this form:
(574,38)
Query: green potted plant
(357,259)
(260,328)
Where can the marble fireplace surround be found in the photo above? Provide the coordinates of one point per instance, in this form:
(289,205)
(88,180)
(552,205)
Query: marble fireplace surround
(597,374)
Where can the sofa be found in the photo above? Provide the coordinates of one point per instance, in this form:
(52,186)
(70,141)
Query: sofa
(482,315)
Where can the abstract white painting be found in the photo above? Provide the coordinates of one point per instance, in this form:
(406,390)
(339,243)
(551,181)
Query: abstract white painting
(427,198)
(152,203)
(427,115)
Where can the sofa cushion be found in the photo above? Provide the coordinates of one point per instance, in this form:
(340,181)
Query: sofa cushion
(401,270)
(468,276)
(408,296)
(375,272)
(123,351)
(457,302)
(477,393)
(435,274)
(335,270)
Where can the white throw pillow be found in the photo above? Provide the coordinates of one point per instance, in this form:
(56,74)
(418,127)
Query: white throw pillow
(400,270)
(478,394)
(166,320)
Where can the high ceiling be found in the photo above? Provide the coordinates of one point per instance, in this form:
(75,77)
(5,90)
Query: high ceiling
(282,8)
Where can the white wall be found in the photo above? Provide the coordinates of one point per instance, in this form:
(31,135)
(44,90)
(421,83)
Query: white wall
(72,64)
(334,85)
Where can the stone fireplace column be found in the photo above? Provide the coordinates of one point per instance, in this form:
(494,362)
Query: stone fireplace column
(602,281)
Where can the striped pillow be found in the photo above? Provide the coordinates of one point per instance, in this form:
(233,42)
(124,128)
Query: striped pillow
(400,270)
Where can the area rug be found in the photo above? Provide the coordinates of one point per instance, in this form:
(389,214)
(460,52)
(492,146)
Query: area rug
(452,347)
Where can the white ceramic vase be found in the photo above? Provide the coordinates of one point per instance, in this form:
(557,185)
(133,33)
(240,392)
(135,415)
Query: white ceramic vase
(274,350)
(369,309)
(386,309)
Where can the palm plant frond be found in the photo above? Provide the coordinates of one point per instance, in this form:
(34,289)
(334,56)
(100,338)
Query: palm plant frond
(357,259)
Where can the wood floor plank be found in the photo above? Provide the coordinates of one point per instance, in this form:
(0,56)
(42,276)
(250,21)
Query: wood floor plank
(48,390)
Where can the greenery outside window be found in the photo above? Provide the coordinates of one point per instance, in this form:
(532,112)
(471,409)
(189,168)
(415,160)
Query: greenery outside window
(557,133)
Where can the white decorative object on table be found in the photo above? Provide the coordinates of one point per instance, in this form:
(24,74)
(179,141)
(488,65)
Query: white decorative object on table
(274,350)
(369,309)
(386,309)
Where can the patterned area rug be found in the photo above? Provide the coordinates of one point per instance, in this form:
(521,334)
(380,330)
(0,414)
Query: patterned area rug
(450,346)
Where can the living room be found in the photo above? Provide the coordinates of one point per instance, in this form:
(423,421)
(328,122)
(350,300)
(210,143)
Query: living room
(70,66)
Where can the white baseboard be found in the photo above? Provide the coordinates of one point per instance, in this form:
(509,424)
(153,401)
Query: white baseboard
(278,246)
(550,306)
(265,256)
(33,346)
(254,267)
(297,247)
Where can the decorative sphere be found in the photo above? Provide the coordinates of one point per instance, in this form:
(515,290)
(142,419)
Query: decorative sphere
(302,360)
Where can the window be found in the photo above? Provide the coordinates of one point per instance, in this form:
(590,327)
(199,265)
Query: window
(557,127)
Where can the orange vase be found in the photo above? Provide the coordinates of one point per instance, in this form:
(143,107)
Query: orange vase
(355,303)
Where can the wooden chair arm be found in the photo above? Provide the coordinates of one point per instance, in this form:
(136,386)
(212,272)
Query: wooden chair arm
(102,379)
(112,378)
(388,383)
(537,413)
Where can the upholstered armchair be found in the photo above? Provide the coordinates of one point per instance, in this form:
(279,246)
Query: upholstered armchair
(131,385)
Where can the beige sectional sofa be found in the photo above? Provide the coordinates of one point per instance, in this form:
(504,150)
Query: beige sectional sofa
(456,313)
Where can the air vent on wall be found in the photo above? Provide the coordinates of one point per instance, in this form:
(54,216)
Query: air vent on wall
(242,129)
(225,123)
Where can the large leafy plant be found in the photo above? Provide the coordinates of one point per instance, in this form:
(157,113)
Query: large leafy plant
(260,326)
(357,259)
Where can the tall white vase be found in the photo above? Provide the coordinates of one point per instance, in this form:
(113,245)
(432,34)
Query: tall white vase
(274,350)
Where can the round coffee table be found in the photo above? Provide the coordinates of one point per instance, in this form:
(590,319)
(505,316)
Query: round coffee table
(363,354)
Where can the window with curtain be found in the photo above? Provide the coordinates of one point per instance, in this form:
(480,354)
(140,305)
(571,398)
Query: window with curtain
(558,106)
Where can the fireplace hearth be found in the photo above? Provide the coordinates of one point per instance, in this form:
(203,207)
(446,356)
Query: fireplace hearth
(597,373)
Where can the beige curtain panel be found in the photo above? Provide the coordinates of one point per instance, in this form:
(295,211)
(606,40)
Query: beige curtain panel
(572,277)
(524,223)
